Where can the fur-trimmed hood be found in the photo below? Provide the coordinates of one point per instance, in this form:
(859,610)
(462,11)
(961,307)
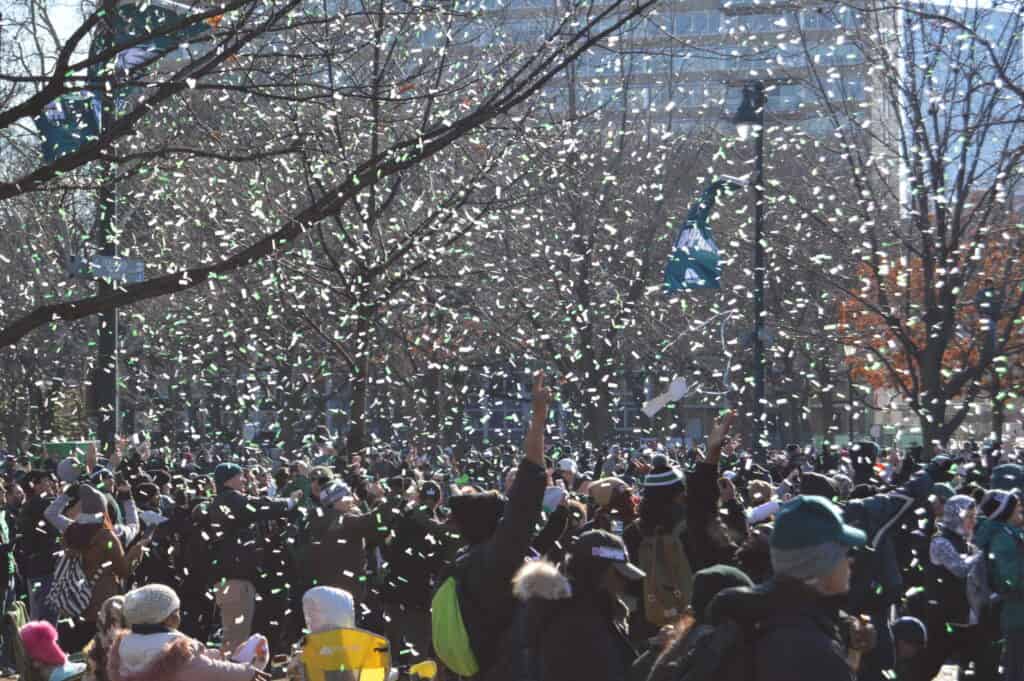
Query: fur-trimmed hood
(149,657)
(540,579)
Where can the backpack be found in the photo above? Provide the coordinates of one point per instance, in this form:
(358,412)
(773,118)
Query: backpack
(980,594)
(669,581)
(726,652)
(720,653)
(447,627)
(71,590)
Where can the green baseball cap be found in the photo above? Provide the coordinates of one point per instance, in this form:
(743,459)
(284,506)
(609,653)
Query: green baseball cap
(811,521)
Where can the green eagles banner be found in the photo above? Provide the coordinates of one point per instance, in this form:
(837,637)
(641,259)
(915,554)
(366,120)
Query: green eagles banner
(75,119)
(694,260)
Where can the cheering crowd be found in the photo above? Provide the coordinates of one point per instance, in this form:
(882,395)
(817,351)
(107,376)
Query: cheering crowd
(659,564)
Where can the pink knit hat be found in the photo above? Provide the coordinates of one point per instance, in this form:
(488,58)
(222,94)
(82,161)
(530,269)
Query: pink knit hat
(40,641)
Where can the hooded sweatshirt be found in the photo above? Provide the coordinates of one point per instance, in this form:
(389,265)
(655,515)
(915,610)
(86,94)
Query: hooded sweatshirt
(561,621)
(951,556)
(1001,544)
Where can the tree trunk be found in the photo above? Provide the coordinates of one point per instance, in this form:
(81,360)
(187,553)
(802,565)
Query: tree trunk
(597,422)
(998,411)
(357,409)
(454,409)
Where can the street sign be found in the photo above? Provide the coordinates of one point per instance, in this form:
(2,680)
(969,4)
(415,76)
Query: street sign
(107,267)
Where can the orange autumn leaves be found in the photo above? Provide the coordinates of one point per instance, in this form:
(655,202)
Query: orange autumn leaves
(894,312)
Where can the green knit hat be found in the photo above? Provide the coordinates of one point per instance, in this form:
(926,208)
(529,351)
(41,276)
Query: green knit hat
(664,476)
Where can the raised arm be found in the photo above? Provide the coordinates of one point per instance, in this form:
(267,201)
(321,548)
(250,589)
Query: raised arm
(522,510)
(717,439)
(54,513)
(535,435)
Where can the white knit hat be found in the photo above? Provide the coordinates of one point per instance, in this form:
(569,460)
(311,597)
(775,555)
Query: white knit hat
(327,608)
(150,604)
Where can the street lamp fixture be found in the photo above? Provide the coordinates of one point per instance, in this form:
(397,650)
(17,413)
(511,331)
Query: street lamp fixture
(750,116)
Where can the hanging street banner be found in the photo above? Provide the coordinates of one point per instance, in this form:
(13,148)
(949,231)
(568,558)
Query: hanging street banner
(694,261)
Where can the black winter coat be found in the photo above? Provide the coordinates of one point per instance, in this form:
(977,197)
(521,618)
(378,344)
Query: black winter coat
(38,540)
(234,518)
(489,607)
(567,633)
(796,632)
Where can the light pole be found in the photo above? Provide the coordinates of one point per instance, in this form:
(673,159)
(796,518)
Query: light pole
(749,121)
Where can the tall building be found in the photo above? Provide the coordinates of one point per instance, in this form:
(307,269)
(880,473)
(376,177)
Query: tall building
(688,61)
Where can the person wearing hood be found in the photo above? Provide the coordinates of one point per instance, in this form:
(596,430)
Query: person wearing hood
(325,609)
(796,613)
(497,534)
(947,615)
(153,649)
(579,608)
(999,538)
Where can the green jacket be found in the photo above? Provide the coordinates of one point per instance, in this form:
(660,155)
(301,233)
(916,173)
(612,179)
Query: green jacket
(1001,544)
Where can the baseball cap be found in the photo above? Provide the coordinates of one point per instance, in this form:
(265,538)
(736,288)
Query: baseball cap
(567,465)
(811,521)
(605,546)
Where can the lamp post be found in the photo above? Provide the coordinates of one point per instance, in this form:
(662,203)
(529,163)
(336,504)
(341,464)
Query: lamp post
(749,121)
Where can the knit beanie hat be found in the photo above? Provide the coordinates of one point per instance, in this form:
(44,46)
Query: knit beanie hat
(68,470)
(93,505)
(327,608)
(40,641)
(150,604)
(224,472)
(707,583)
(663,475)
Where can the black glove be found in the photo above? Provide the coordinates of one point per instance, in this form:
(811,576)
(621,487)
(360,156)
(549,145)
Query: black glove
(939,469)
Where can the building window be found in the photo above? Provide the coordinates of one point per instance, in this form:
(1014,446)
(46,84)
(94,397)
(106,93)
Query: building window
(698,23)
(837,55)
